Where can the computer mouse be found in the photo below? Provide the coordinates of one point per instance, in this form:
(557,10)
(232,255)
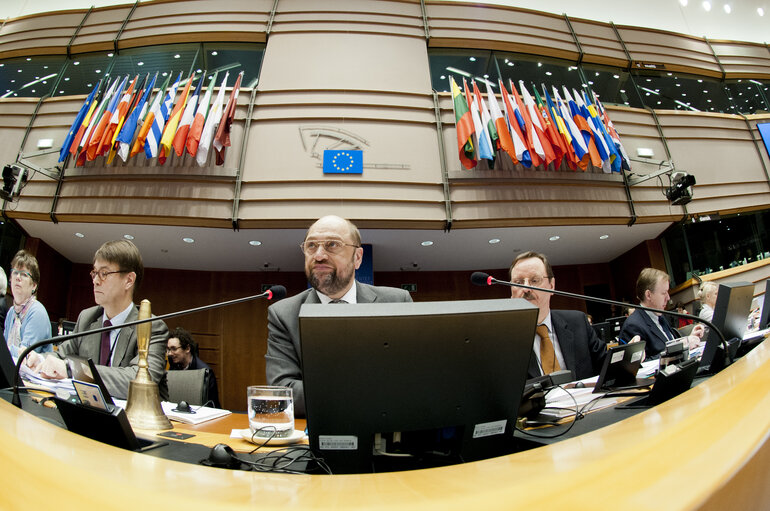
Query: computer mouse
(223,456)
(580,385)
(184,407)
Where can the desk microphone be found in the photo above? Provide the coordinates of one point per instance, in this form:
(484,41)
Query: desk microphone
(274,293)
(483,279)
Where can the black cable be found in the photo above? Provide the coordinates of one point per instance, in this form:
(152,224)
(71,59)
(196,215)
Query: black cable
(578,416)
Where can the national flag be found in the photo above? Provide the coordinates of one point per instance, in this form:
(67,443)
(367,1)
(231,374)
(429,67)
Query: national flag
(551,130)
(522,151)
(549,154)
(625,162)
(95,121)
(504,140)
(582,124)
(196,128)
(160,116)
(149,119)
(187,117)
(81,138)
(126,133)
(169,132)
(117,118)
(606,150)
(84,109)
(106,116)
(347,161)
(463,126)
(222,136)
(578,142)
(135,97)
(483,142)
(488,127)
(212,120)
(561,127)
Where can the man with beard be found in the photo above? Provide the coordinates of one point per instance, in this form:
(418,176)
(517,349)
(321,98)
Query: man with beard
(564,339)
(333,253)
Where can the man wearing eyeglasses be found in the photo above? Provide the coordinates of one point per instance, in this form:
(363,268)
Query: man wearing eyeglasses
(117,272)
(333,253)
(564,339)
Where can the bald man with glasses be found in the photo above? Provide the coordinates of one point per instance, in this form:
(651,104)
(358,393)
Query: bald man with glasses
(333,253)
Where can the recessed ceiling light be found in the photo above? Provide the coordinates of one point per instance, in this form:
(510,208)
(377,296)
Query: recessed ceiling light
(760,11)
(188,240)
(683,3)
(177,56)
(214,53)
(706,6)
(128,236)
(255,243)
(494,241)
(426,243)
(604,236)
(554,238)
(80,235)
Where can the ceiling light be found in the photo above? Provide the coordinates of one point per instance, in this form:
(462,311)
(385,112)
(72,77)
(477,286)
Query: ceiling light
(255,243)
(760,11)
(494,241)
(604,236)
(177,56)
(214,53)
(76,63)
(80,235)
(706,6)
(683,3)
(128,236)
(188,240)
(728,9)
(554,238)
(472,59)
(426,243)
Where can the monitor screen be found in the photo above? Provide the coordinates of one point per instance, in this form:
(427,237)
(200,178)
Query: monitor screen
(390,386)
(731,314)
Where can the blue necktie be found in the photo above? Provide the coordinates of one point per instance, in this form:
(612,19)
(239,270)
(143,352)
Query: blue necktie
(666,328)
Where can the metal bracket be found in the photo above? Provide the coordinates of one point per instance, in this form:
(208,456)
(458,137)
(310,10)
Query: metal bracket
(669,167)
(442,161)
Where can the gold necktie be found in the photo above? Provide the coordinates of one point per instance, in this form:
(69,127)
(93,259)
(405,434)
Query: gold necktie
(548,360)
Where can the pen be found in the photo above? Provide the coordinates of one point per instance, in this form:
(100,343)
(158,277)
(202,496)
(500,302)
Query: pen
(621,341)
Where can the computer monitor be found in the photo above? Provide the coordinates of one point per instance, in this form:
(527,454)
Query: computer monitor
(604,331)
(439,382)
(731,314)
(616,324)
(764,318)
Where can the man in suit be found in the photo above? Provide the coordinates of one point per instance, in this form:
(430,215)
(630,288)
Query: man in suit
(183,355)
(652,291)
(117,272)
(564,339)
(333,253)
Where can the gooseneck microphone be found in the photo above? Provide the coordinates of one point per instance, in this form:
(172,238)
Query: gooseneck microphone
(274,293)
(483,279)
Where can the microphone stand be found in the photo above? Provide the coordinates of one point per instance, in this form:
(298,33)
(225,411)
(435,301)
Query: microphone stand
(483,279)
(276,292)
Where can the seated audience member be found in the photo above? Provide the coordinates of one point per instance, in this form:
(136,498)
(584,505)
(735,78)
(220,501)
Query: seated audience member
(27,321)
(3,301)
(652,291)
(117,272)
(333,253)
(707,294)
(183,354)
(680,322)
(564,339)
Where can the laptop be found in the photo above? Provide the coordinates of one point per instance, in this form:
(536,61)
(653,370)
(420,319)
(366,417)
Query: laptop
(620,368)
(84,369)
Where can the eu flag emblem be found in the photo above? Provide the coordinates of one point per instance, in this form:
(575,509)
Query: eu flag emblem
(344,162)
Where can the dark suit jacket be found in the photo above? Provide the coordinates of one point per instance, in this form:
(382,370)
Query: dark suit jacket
(640,323)
(125,354)
(283,364)
(583,351)
(213,391)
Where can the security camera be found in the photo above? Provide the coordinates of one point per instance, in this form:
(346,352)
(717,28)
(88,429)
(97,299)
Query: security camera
(680,191)
(14,177)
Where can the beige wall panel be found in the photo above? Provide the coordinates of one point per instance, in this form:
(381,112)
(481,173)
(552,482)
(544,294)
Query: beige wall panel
(550,213)
(401,213)
(355,113)
(729,204)
(400,153)
(377,98)
(51,31)
(355,61)
(403,8)
(166,9)
(717,161)
(598,41)
(340,189)
(100,29)
(157,189)
(140,209)
(534,191)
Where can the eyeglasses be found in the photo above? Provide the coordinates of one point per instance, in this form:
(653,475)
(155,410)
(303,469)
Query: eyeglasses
(330,246)
(19,273)
(173,348)
(534,281)
(103,274)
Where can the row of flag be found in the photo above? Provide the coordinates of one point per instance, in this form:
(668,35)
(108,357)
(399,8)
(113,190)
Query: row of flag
(124,119)
(534,132)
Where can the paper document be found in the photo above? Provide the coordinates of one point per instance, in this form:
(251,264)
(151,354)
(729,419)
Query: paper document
(202,413)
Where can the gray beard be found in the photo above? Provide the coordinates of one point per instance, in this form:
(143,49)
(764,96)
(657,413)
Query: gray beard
(328,284)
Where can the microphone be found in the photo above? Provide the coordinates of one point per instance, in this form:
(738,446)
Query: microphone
(483,279)
(274,293)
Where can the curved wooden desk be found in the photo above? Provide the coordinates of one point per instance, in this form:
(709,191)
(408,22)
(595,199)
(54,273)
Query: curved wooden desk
(706,449)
